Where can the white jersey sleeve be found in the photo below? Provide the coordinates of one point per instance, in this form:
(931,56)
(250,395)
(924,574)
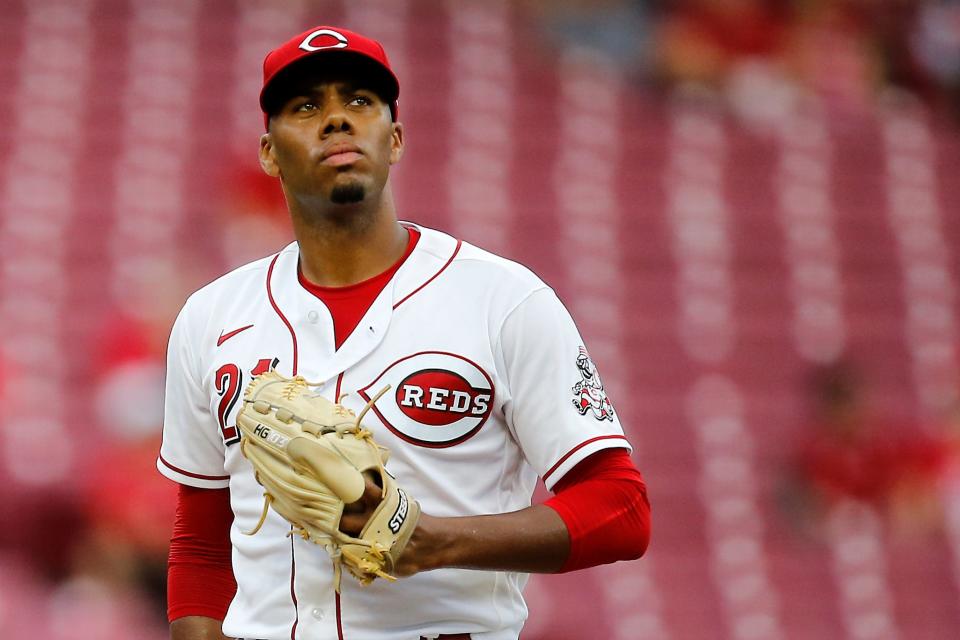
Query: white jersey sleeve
(192,451)
(557,407)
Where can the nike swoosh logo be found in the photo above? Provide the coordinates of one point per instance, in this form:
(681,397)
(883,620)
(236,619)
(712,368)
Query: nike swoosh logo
(226,336)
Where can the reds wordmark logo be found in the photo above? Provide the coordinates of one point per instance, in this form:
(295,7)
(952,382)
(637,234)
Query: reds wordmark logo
(588,393)
(436,399)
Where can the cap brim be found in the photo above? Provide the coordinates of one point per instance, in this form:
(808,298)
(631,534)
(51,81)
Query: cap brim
(370,73)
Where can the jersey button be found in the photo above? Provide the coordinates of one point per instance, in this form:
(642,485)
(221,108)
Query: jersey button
(313,317)
(317,613)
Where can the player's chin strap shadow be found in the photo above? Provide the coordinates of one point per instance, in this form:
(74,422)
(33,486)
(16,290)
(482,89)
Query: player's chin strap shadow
(359,432)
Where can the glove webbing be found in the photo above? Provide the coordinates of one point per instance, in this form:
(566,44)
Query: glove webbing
(360,432)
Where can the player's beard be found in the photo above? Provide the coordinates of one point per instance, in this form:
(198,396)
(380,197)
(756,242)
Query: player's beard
(349,193)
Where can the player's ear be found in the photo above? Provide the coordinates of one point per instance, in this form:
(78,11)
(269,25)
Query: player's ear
(396,143)
(268,160)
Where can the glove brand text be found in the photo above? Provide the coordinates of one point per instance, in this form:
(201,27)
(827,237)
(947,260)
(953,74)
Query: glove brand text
(400,514)
(270,436)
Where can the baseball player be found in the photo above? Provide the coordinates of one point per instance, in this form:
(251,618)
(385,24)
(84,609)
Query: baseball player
(490,386)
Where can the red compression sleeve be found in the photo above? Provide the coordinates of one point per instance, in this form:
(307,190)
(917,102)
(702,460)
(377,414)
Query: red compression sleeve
(603,502)
(200,578)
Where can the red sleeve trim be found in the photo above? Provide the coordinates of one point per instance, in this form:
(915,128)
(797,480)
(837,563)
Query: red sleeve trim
(559,462)
(190,474)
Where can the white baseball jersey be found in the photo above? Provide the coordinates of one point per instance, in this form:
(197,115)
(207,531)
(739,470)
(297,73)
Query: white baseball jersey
(490,386)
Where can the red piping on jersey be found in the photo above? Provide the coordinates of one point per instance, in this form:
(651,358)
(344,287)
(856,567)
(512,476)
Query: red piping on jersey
(574,450)
(339,625)
(293,592)
(433,277)
(189,474)
(336,397)
(273,303)
(293,555)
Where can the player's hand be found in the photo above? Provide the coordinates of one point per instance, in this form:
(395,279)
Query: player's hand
(356,514)
(419,554)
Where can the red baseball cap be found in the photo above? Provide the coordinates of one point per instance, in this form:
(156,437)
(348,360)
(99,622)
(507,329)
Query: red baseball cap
(336,43)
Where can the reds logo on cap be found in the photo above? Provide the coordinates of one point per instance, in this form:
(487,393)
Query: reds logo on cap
(437,399)
(340,40)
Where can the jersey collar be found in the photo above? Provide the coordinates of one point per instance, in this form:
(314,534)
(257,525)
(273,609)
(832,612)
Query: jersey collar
(312,324)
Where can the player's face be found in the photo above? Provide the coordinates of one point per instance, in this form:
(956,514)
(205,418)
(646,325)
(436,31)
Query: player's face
(331,141)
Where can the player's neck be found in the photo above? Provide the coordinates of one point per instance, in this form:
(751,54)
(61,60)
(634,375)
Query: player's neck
(351,246)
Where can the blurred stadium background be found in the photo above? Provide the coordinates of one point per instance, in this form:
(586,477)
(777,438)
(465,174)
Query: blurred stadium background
(751,207)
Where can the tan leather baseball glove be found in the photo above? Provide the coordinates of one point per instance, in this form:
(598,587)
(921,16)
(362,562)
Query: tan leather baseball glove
(310,455)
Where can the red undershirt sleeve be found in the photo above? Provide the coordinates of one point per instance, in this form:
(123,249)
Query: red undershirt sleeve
(200,578)
(603,502)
